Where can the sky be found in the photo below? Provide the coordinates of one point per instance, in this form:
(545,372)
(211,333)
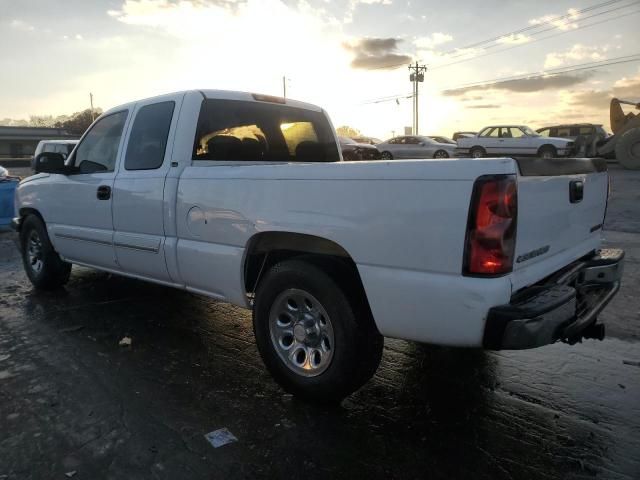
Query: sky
(350,56)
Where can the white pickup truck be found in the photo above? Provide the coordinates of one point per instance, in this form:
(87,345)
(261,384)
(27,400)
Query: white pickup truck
(514,140)
(244,198)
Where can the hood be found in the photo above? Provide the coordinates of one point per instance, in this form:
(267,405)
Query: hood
(360,145)
(558,140)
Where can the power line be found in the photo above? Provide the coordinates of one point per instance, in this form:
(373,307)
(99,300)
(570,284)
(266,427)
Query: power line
(526,29)
(532,75)
(533,27)
(581,27)
(553,72)
(529,43)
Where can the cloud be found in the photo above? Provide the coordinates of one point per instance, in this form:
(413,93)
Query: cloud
(576,52)
(591,98)
(514,39)
(433,40)
(625,89)
(565,23)
(483,106)
(376,53)
(21,25)
(525,85)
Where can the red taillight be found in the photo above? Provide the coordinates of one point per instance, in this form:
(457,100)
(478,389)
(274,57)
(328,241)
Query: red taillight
(491,228)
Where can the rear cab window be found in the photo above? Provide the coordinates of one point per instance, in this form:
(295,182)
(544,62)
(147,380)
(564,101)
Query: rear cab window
(148,139)
(254,131)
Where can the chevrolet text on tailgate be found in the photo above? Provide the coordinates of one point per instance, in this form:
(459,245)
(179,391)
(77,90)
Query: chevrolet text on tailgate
(245,198)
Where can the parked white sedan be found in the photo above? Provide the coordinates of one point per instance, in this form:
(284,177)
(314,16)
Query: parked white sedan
(517,140)
(410,146)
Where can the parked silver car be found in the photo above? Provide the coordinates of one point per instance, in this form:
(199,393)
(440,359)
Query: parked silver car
(415,147)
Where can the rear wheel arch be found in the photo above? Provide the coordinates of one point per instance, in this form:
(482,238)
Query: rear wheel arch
(266,249)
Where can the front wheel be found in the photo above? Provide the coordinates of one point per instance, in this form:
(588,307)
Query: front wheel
(313,337)
(386,156)
(547,152)
(44,267)
(441,154)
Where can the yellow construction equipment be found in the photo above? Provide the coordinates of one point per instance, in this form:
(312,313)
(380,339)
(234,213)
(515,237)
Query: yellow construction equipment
(625,141)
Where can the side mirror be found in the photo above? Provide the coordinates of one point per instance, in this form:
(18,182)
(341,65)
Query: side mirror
(422,144)
(49,162)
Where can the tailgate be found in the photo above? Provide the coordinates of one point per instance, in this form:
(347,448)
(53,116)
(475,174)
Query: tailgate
(556,227)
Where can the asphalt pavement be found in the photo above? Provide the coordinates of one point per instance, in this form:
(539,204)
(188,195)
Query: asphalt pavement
(74,403)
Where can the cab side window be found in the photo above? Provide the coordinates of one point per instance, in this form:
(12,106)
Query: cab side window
(148,139)
(98,150)
(490,132)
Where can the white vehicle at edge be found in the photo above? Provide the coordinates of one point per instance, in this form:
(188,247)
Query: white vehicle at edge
(514,140)
(244,198)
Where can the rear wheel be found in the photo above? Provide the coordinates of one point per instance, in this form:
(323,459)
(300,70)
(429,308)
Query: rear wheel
(441,154)
(547,152)
(628,149)
(44,267)
(314,338)
(477,152)
(386,156)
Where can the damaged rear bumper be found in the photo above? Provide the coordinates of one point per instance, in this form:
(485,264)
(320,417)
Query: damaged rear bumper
(563,307)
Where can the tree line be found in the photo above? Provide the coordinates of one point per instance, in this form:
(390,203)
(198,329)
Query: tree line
(75,123)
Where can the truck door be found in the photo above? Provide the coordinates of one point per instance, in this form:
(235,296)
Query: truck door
(80,203)
(138,204)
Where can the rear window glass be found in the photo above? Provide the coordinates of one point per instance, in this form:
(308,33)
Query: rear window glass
(235,130)
(148,139)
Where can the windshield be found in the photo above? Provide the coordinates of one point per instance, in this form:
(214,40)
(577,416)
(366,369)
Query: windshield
(530,132)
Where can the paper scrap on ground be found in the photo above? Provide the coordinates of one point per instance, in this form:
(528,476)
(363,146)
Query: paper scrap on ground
(220,437)
(125,342)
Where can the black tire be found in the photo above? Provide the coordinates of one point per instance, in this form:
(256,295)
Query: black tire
(547,151)
(386,155)
(440,154)
(44,267)
(477,152)
(628,149)
(357,345)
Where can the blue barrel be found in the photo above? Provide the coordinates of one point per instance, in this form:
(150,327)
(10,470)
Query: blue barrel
(7,189)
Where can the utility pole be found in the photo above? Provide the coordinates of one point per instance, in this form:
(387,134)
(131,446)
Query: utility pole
(284,87)
(93,117)
(416,77)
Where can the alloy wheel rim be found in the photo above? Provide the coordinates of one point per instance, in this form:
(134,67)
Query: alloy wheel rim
(301,332)
(34,252)
(441,155)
